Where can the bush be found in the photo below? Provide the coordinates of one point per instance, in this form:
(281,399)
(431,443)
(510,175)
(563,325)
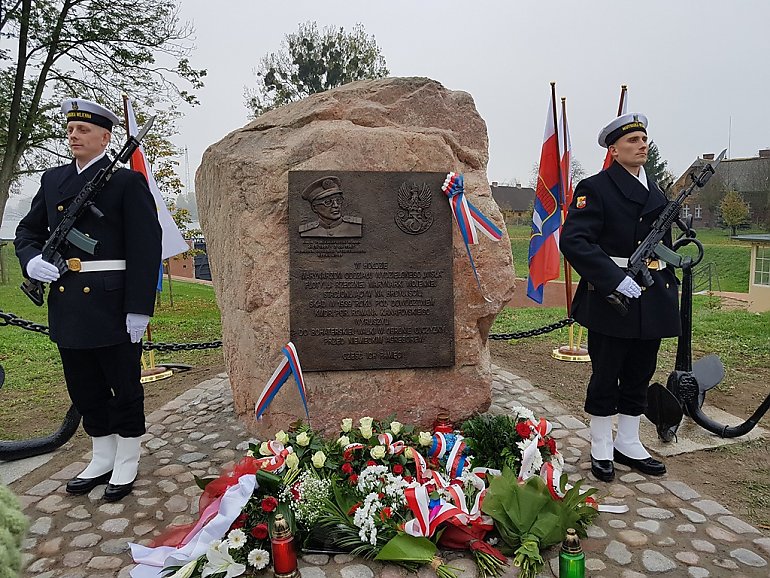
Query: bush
(13,528)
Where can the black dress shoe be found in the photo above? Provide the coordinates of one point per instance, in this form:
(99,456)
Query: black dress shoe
(79,486)
(115,492)
(649,466)
(604,470)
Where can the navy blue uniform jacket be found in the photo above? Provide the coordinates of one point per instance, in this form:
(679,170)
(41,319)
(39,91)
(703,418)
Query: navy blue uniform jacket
(610,214)
(87,310)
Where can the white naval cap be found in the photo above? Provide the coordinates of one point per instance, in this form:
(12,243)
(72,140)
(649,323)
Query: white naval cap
(624,124)
(88,111)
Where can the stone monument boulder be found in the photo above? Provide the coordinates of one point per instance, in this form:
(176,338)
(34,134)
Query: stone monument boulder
(394,124)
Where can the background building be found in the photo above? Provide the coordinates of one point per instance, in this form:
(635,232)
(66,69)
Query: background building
(748,176)
(516,202)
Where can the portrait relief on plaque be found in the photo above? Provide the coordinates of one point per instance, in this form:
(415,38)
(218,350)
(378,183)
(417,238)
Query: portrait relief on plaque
(414,215)
(326,200)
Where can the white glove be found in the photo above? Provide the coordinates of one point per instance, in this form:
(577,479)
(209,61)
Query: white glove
(629,288)
(136,323)
(40,270)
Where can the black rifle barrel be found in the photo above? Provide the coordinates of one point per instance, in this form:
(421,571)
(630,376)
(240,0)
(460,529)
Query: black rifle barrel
(637,263)
(53,247)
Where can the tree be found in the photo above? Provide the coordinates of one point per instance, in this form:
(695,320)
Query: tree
(576,170)
(576,173)
(310,61)
(734,211)
(187,201)
(88,48)
(656,166)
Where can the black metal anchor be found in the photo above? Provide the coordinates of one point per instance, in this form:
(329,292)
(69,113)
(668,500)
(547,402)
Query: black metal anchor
(687,385)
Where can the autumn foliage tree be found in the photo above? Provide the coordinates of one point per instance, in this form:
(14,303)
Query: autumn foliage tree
(95,49)
(733,210)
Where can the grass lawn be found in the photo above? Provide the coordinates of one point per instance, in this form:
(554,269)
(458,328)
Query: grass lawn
(729,258)
(34,378)
(738,337)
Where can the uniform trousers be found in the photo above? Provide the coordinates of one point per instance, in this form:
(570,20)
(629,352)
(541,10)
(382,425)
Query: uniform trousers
(104,384)
(622,369)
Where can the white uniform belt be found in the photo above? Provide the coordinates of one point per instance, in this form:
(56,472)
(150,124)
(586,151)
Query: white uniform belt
(655,264)
(79,266)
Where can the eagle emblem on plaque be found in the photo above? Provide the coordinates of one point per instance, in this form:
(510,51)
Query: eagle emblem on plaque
(414,215)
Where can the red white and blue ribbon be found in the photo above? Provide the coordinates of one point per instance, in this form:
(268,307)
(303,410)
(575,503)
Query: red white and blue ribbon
(426,519)
(469,219)
(289,366)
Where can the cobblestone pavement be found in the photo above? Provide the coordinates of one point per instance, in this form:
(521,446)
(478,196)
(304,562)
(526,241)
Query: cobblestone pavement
(670,527)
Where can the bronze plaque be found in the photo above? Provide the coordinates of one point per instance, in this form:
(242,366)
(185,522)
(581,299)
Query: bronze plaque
(370,270)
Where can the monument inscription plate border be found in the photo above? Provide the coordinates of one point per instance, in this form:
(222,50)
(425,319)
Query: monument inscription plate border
(370,269)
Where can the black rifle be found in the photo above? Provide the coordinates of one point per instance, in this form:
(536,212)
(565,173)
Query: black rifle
(652,248)
(66,233)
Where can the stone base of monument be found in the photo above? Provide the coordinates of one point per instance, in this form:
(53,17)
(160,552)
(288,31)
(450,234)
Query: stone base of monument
(691,437)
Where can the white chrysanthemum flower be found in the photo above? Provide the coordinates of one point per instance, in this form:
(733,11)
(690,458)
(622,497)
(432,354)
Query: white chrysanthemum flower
(258,558)
(236,539)
(522,412)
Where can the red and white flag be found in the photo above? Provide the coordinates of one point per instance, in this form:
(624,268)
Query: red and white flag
(622,109)
(173,242)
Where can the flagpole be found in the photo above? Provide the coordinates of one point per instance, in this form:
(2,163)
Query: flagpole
(558,161)
(571,352)
(565,181)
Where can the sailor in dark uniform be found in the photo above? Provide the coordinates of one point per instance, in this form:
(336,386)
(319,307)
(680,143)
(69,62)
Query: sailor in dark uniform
(325,198)
(610,214)
(98,309)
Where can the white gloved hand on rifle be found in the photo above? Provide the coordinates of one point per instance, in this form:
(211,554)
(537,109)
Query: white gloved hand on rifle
(136,323)
(629,288)
(40,270)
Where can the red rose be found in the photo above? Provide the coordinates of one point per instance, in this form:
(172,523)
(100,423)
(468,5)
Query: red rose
(380,495)
(347,468)
(523,429)
(398,469)
(551,444)
(408,479)
(347,455)
(371,463)
(269,504)
(353,479)
(259,531)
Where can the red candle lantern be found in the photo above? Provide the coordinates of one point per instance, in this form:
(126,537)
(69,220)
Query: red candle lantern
(442,423)
(284,552)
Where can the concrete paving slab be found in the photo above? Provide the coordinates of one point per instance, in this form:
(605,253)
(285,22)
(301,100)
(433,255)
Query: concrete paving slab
(15,470)
(691,437)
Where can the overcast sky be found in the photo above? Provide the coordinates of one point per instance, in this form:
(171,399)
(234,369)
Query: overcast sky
(690,66)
